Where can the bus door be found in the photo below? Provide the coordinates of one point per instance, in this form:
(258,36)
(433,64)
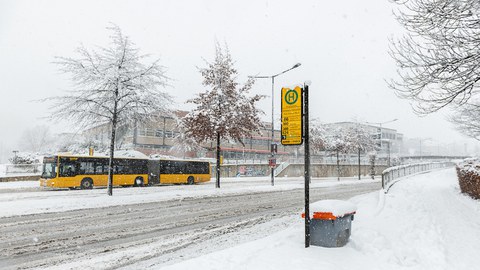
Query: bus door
(153,172)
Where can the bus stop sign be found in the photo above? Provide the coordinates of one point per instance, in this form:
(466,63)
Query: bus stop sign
(292,117)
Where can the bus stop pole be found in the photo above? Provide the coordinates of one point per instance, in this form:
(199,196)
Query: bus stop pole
(307,168)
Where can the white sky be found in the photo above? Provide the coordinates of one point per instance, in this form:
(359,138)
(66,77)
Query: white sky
(342,46)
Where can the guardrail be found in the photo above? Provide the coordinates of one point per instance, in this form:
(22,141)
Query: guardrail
(394,173)
(35,168)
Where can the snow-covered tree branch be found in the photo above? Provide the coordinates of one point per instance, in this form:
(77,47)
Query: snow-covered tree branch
(112,85)
(438,57)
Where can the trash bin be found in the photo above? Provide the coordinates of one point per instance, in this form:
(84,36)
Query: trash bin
(331,222)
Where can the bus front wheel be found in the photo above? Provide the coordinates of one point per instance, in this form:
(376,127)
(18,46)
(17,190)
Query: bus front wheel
(138,182)
(190,180)
(87,183)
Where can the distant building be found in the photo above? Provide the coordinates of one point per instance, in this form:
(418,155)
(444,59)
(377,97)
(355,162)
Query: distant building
(159,138)
(389,141)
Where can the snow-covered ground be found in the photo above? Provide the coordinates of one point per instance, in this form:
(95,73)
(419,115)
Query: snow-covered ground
(15,202)
(422,223)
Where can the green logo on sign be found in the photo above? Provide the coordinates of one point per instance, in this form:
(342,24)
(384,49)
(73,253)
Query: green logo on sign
(291,97)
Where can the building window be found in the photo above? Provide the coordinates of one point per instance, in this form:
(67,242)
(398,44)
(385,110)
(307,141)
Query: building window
(159,133)
(150,132)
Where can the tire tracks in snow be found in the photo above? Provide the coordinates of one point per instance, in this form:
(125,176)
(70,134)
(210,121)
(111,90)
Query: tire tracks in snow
(137,232)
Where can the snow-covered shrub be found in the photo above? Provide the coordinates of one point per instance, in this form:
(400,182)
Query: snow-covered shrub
(468,173)
(24,158)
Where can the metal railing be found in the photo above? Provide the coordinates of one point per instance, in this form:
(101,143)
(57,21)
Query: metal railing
(280,168)
(394,173)
(35,168)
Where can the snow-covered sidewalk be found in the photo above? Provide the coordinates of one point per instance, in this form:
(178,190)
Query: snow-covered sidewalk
(422,223)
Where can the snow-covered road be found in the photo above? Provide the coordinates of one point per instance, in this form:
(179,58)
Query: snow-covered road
(69,229)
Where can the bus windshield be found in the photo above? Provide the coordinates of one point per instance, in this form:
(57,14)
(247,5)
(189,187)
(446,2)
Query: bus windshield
(49,170)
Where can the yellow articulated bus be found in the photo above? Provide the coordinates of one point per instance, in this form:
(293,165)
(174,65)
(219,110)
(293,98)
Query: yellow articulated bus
(178,171)
(85,172)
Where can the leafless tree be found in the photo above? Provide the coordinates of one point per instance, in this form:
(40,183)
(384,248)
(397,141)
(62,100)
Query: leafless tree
(112,86)
(318,136)
(438,57)
(467,120)
(224,111)
(359,140)
(36,139)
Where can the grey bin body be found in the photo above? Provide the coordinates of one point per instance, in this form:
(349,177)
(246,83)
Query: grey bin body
(331,233)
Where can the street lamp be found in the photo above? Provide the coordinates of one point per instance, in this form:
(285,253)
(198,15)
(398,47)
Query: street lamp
(421,140)
(15,155)
(380,137)
(272,150)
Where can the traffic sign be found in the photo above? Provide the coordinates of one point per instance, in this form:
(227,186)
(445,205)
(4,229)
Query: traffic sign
(272,163)
(292,118)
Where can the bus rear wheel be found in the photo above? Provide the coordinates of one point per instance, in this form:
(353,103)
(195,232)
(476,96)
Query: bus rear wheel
(87,183)
(190,180)
(138,182)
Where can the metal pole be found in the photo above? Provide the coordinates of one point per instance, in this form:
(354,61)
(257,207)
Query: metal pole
(359,166)
(217,182)
(307,170)
(388,147)
(272,142)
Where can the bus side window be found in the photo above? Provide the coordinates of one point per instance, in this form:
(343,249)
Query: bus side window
(68,169)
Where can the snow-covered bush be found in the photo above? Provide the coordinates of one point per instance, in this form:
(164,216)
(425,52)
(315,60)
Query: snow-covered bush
(468,173)
(24,158)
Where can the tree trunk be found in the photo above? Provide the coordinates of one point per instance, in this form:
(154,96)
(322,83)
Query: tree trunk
(359,166)
(217,183)
(112,146)
(338,167)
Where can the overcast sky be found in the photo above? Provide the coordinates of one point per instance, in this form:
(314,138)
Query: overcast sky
(342,46)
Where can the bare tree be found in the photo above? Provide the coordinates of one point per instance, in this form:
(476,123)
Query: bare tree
(112,86)
(224,111)
(438,58)
(318,136)
(466,120)
(336,141)
(359,140)
(36,139)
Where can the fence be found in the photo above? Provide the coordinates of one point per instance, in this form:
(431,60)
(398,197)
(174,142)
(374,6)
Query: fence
(391,174)
(35,168)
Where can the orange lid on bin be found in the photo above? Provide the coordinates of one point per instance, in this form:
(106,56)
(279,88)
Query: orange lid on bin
(331,209)
(326,215)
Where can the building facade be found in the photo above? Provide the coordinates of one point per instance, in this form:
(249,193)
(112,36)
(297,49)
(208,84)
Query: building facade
(161,136)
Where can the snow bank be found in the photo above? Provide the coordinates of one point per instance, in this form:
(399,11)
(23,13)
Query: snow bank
(423,223)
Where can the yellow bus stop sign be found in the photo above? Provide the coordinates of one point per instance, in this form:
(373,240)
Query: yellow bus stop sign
(292,118)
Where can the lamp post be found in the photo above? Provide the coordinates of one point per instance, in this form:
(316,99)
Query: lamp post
(421,140)
(380,137)
(15,155)
(272,77)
